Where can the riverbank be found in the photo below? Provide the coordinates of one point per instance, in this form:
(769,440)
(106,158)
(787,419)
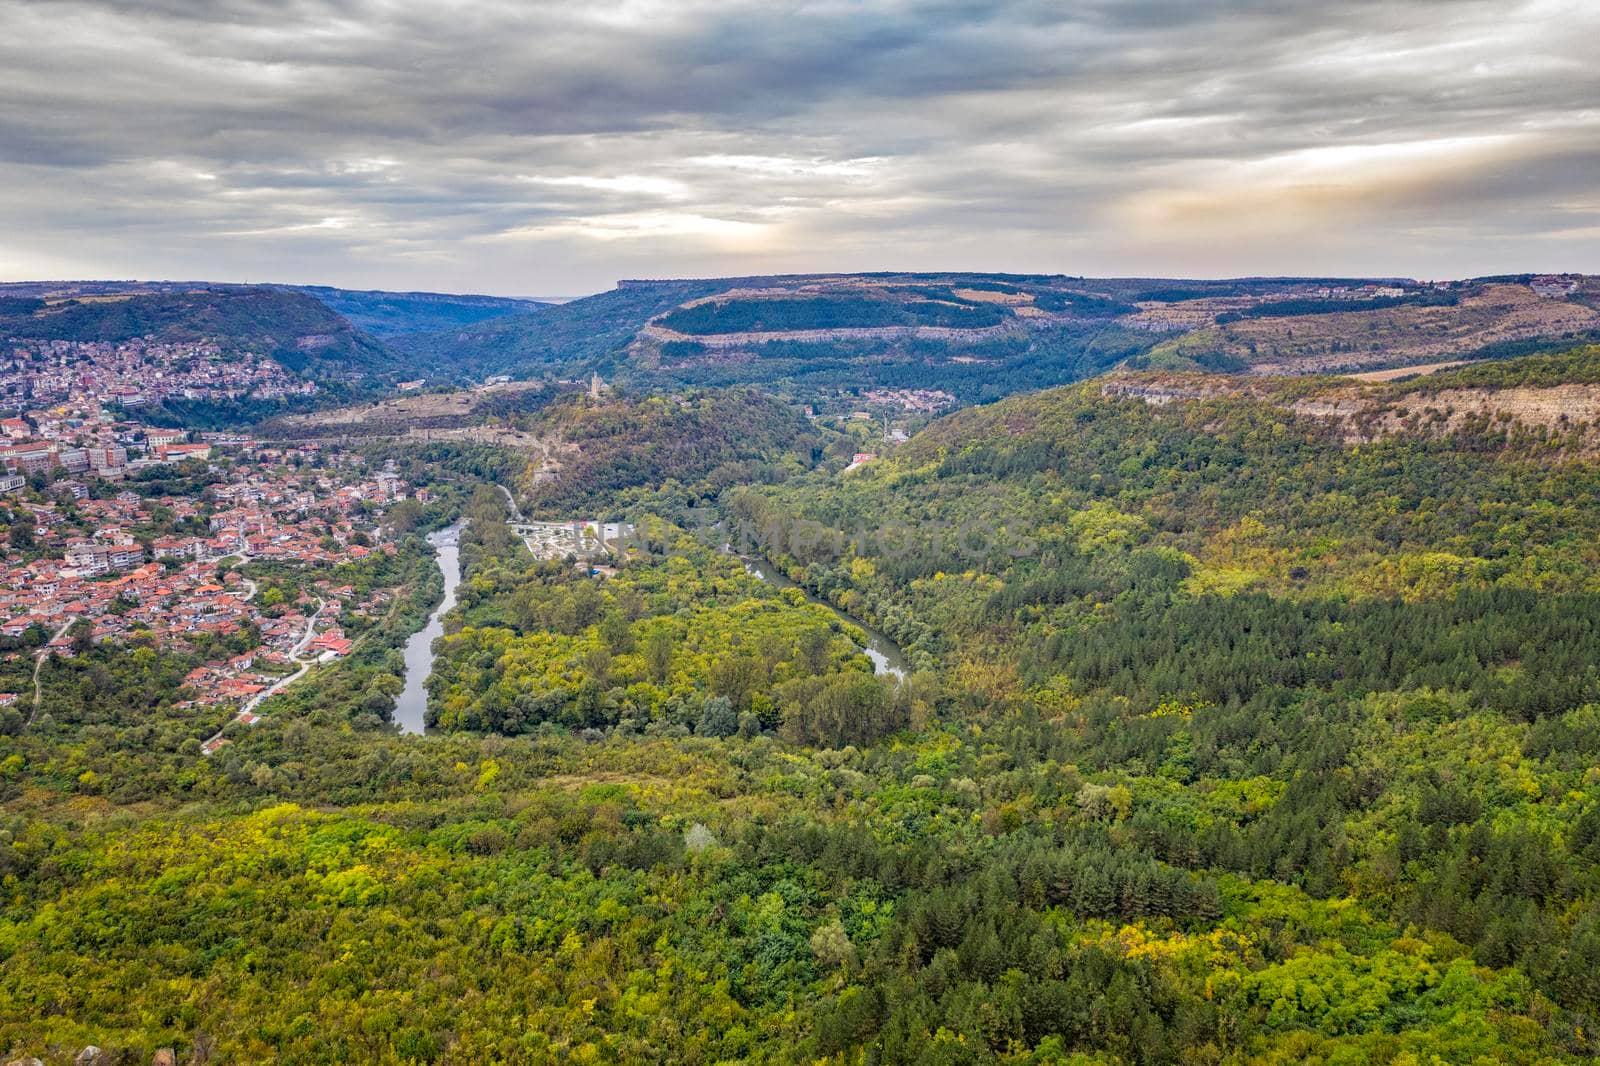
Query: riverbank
(411,708)
(887,657)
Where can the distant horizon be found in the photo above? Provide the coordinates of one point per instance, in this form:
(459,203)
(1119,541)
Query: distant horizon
(559,299)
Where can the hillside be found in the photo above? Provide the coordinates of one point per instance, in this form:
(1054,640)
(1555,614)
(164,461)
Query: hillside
(566,337)
(1461,321)
(1285,485)
(483,412)
(977,337)
(387,314)
(201,358)
(1376,601)
(584,455)
(1547,405)
(292,328)
(1243,720)
(1255,548)
(600,456)
(373,311)
(818,338)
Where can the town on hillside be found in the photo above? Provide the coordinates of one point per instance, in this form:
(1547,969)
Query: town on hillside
(225,544)
(91,376)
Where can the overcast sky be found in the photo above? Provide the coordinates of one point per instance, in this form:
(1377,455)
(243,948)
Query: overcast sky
(550,148)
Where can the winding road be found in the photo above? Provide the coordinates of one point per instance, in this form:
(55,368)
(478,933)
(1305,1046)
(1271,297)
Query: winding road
(252,587)
(283,682)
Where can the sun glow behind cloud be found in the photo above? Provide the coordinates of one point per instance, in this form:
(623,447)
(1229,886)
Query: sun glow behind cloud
(1288,192)
(649,225)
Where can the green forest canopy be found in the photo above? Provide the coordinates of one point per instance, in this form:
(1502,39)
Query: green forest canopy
(1228,741)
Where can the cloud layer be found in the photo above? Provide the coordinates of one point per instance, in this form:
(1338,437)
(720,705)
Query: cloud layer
(544,148)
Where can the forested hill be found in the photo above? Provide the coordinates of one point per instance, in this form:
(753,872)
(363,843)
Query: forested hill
(973,338)
(1280,485)
(1207,589)
(605,456)
(375,311)
(967,337)
(580,334)
(292,328)
(387,314)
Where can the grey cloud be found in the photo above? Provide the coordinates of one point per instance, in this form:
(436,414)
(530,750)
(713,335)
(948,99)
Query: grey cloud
(552,147)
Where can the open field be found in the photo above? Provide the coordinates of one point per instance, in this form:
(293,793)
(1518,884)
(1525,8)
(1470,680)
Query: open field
(461,403)
(1396,373)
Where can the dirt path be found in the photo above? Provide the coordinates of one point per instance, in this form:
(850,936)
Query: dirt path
(38,664)
(511,504)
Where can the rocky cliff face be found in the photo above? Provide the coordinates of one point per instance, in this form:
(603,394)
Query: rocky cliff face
(1562,417)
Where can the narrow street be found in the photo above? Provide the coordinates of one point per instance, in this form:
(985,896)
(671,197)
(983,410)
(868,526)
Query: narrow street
(283,682)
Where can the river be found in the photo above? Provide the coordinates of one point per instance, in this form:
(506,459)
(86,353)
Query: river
(410,711)
(887,658)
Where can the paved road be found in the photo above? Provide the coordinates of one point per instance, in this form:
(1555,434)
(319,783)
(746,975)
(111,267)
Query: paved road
(244,558)
(311,629)
(283,682)
(252,588)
